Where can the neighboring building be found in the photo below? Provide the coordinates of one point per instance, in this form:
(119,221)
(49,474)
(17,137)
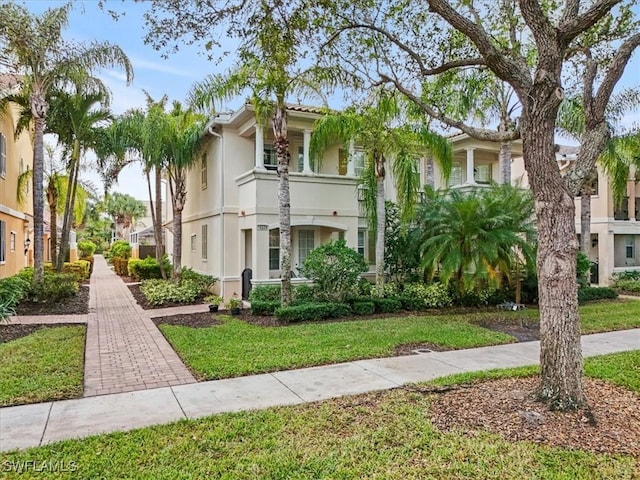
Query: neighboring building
(142,238)
(16,219)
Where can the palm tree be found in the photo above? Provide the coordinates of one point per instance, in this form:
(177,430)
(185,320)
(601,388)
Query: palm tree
(183,143)
(74,118)
(33,49)
(373,128)
(469,238)
(124,209)
(267,70)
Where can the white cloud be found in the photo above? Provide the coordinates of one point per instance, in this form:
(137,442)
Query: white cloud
(161,66)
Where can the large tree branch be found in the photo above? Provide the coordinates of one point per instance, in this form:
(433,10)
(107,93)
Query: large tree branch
(535,18)
(615,71)
(513,71)
(573,25)
(477,133)
(424,70)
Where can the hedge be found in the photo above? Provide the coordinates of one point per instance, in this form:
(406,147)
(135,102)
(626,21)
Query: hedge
(586,294)
(363,307)
(260,307)
(312,311)
(387,305)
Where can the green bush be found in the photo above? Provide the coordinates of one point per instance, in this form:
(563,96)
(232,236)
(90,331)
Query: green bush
(312,311)
(434,295)
(54,288)
(204,282)
(388,289)
(627,275)
(363,307)
(143,269)
(628,285)
(80,269)
(159,292)
(265,293)
(7,308)
(13,290)
(120,248)
(387,305)
(304,293)
(586,294)
(335,270)
(583,265)
(86,248)
(261,307)
(474,298)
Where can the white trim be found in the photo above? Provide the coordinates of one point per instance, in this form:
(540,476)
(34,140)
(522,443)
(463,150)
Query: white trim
(312,222)
(12,212)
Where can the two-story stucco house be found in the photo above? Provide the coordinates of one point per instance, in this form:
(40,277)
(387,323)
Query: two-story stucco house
(16,218)
(230,221)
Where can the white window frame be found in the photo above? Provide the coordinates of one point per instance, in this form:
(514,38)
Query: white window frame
(3,242)
(630,246)
(274,248)
(3,155)
(203,171)
(358,162)
(362,242)
(303,250)
(205,242)
(270,156)
(456,172)
(482,173)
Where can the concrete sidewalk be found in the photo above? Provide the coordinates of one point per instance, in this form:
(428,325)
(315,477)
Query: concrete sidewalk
(39,424)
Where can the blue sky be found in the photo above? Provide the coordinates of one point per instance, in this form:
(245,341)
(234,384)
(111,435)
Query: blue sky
(158,76)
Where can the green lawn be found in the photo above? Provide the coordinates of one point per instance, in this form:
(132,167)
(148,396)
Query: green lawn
(46,365)
(385,435)
(236,348)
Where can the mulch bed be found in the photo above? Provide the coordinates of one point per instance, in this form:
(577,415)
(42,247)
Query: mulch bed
(76,305)
(14,332)
(508,407)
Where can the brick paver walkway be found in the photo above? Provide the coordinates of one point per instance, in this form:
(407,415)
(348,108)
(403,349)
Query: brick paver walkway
(125,351)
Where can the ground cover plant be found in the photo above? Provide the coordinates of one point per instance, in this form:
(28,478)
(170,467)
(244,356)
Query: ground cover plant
(380,435)
(45,365)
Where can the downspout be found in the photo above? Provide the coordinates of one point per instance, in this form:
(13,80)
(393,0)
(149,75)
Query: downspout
(222,269)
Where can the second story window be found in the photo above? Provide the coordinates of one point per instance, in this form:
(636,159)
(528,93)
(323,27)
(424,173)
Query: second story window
(270,157)
(456,175)
(203,171)
(482,173)
(193,242)
(3,155)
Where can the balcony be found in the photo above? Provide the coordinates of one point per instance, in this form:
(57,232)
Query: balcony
(622,211)
(316,194)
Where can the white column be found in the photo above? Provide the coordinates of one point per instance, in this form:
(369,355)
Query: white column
(470,178)
(351,164)
(305,152)
(259,148)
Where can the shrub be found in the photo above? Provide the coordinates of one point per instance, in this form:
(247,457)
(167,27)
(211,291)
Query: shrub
(586,294)
(474,298)
(80,269)
(628,285)
(364,287)
(363,307)
(16,287)
(434,295)
(335,269)
(312,311)
(120,266)
(265,293)
(205,282)
(387,305)
(86,248)
(159,292)
(7,307)
(388,289)
(120,248)
(627,275)
(261,307)
(583,265)
(304,293)
(143,269)
(55,287)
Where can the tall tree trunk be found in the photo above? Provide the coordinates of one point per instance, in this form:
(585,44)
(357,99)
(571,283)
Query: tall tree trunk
(505,163)
(281,142)
(157,224)
(39,109)
(560,349)
(69,205)
(380,220)
(585,221)
(52,200)
(178,198)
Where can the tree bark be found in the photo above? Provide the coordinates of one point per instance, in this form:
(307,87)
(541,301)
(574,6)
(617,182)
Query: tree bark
(560,349)
(585,222)
(505,163)
(281,143)
(178,198)
(157,224)
(39,109)
(69,205)
(52,200)
(430,172)
(380,220)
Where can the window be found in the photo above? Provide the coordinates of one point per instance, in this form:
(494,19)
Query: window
(204,241)
(358,163)
(342,162)
(3,155)
(371,247)
(305,244)
(456,175)
(12,242)
(270,157)
(482,173)
(630,246)
(3,241)
(274,249)
(203,171)
(193,242)
(301,159)
(362,242)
